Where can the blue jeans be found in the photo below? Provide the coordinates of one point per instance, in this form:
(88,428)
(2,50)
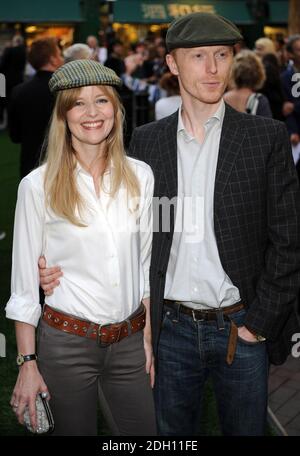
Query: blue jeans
(190,351)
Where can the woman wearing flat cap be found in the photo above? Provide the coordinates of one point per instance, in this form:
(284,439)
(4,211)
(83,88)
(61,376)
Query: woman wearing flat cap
(87,209)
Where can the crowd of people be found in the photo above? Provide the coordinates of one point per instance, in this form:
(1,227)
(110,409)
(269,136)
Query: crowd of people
(261,83)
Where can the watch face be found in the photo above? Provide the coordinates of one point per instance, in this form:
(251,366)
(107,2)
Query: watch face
(20,360)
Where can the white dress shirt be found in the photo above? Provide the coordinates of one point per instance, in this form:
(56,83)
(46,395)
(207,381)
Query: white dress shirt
(105,264)
(195,274)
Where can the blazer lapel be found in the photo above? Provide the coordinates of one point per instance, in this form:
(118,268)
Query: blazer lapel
(232,137)
(168,154)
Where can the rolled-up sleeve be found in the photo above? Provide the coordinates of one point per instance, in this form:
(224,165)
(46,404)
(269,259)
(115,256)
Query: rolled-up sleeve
(24,303)
(146,231)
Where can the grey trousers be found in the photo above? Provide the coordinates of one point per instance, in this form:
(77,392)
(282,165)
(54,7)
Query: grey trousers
(78,372)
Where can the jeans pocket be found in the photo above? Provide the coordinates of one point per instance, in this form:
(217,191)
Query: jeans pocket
(247,342)
(238,317)
(169,317)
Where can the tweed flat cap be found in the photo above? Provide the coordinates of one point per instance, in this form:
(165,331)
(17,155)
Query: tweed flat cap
(201,29)
(79,73)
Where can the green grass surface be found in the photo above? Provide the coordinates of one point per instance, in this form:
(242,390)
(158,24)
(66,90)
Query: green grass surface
(9,177)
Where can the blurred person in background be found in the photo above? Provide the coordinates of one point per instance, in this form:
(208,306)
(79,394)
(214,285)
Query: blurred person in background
(144,68)
(115,60)
(247,77)
(31,103)
(171,102)
(292,109)
(12,65)
(264,46)
(281,52)
(130,77)
(272,87)
(77,51)
(159,63)
(98,53)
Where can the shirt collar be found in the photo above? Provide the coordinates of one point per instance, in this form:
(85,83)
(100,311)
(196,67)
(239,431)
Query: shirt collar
(218,115)
(80,170)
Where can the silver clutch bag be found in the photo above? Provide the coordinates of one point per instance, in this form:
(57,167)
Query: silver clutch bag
(45,421)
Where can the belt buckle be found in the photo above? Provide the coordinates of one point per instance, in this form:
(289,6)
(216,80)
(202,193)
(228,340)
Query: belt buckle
(101,344)
(194,317)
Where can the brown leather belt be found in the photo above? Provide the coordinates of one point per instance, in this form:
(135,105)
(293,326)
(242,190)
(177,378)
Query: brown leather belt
(103,334)
(208,314)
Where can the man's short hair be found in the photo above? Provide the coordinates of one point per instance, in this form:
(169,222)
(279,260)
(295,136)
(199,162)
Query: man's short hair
(40,52)
(77,51)
(248,71)
(290,43)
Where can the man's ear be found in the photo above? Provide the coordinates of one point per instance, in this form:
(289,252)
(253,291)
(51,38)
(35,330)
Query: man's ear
(52,60)
(171,62)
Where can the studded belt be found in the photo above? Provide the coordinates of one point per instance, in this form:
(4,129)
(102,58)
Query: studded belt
(103,334)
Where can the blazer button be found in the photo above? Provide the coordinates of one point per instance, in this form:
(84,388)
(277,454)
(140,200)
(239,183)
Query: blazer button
(160,274)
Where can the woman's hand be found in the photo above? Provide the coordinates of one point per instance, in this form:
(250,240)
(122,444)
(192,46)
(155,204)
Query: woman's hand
(150,369)
(29,384)
(148,343)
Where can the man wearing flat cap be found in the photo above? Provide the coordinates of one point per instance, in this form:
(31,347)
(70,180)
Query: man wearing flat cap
(225,262)
(224,284)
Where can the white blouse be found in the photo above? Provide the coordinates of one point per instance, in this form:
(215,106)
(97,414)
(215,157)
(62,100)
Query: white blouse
(105,264)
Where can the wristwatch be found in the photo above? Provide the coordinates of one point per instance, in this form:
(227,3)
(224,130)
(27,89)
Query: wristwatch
(21,359)
(259,338)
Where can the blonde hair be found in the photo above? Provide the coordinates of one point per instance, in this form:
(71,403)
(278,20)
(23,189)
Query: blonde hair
(247,71)
(268,47)
(62,194)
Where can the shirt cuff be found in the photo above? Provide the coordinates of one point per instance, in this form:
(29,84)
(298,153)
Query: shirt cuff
(23,309)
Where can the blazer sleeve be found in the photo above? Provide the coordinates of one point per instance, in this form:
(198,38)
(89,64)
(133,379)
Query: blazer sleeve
(133,150)
(278,285)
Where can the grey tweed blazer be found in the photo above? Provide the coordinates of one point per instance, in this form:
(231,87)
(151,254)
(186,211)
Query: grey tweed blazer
(256,220)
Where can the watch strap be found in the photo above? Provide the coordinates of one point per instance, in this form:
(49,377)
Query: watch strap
(260,338)
(21,359)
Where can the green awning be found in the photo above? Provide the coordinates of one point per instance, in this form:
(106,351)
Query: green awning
(164,11)
(279,11)
(31,11)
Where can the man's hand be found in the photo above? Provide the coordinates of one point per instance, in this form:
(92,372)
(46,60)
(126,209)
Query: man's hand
(287,108)
(295,139)
(245,334)
(48,276)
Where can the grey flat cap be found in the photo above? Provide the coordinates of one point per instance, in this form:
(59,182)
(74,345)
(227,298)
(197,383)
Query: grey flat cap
(201,29)
(79,73)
